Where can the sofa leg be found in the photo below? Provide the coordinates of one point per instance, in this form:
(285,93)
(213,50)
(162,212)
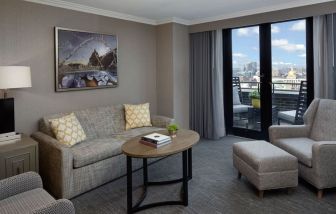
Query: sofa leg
(261,193)
(320,193)
(239,175)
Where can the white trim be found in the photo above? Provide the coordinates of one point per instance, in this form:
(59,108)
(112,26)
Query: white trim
(298,3)
(93,10)
(124,16)
(173,19)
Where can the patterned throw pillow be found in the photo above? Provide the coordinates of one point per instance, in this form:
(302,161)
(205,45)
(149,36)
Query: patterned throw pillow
(68,130)
(137,116)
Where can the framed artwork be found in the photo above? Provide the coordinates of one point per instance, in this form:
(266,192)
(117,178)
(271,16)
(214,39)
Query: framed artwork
(85,60)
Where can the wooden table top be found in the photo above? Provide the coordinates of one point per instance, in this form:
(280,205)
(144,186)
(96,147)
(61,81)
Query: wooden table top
(184,140)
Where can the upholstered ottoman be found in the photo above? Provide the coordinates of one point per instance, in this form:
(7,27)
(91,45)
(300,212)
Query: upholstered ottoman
(265,165)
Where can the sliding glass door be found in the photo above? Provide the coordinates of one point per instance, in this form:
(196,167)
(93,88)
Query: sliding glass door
(267,70)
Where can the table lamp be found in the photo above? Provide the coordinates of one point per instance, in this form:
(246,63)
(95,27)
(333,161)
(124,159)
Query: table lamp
(11,77)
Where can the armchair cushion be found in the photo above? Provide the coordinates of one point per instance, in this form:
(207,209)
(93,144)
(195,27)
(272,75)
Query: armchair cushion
(62,206)
(240,108)
(26,201)
(18,184)
(299,147)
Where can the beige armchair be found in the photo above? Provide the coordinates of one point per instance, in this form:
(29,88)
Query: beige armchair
(314,144)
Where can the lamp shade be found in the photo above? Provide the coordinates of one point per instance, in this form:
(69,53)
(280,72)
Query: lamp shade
(15,77)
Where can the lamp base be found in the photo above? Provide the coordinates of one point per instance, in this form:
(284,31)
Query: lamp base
(7,119)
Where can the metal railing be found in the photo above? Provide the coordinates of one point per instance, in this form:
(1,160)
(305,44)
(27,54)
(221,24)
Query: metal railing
(294,87)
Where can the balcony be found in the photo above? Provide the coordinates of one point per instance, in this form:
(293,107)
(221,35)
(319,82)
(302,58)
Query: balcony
(284,98)
(284,95)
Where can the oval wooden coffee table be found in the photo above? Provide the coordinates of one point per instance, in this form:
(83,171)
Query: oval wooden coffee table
(183,142)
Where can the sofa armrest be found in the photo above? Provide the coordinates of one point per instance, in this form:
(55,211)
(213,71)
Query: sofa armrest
(324,162)
(287,131)
(62,206)
(19,184)
(56,165)
(161,121)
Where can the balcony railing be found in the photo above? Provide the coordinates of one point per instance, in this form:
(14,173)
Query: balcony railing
(277,87)
(284,95)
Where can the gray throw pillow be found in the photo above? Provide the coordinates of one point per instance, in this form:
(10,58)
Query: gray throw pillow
(235,96)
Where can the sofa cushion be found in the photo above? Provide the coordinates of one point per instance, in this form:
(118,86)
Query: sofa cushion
(26,202)
(92,151)
(97,122)
(264,157)
(324,128)
(299,147)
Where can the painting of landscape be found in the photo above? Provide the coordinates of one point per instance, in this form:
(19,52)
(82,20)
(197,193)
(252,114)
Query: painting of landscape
(85,60)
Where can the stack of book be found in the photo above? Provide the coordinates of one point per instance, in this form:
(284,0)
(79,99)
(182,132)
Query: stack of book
(9,138)
(155,140)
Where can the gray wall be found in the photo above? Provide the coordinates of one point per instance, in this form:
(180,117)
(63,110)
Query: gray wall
(281,15)
(165,67)
(181,74)
(173,72)
(27,38)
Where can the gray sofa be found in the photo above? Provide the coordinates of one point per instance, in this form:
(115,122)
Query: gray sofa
(314,143)
(24,194)
(68,172)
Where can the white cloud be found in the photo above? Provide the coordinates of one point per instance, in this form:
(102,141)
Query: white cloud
(275,29)
(289,47)
(282,63)
(302,55)
(243,32)
(240,55)
(247,31)
(299,26)
(255,30)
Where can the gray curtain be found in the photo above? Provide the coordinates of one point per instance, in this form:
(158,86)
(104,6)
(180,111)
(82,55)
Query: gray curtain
(324,56)
(206,84)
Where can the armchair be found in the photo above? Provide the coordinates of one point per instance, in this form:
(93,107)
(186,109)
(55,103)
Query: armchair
(24,194)
(314,144)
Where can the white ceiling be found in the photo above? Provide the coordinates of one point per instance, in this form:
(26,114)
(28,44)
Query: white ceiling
(181,11)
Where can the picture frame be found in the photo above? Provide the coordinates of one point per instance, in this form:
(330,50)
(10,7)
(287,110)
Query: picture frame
(85,60)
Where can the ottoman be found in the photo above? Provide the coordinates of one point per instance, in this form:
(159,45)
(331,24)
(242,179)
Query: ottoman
(265,165)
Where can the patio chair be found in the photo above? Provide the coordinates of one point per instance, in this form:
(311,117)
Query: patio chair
(295,117)
(239,109)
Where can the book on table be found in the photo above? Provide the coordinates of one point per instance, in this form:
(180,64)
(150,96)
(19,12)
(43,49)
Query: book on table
(155,140)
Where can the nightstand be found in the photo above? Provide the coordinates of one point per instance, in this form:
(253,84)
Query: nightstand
(18,157)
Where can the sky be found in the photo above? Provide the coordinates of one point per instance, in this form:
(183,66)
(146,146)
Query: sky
(288,44)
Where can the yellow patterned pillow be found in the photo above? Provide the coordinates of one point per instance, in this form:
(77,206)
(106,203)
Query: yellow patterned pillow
(137,116)
(68,130)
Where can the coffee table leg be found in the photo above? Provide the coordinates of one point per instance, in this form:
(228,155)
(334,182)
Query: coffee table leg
(145,172)
(185,177)
(129,185)
(189,163)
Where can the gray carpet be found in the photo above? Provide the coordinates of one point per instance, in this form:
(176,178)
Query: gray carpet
(213,189)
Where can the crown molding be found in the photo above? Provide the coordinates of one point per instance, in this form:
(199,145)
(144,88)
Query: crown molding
(93,10)
(173,19)
(124,16)
(277,7)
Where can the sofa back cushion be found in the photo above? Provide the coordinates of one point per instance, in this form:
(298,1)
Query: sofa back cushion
(97,122)
(324,125)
